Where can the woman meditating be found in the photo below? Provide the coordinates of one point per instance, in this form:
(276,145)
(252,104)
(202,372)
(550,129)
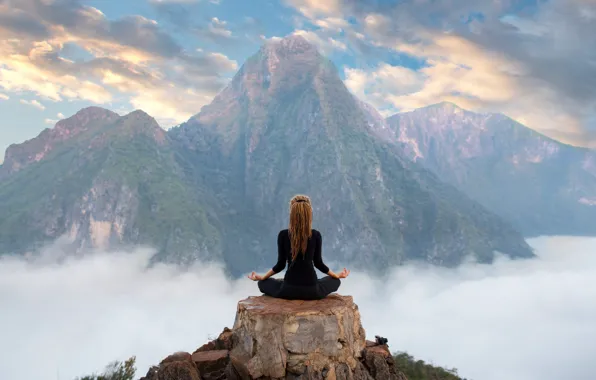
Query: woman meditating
(300,246)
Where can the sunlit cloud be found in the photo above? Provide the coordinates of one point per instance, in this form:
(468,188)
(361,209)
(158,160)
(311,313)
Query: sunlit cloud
(314,9)
(537,67)
(33,103)
(133,60)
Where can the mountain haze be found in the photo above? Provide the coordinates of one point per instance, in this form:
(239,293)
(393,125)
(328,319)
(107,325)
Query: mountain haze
(101,180)
(287,124)
(542,186)
(217,187)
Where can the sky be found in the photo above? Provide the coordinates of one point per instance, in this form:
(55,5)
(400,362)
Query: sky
(534,60)
(65,316)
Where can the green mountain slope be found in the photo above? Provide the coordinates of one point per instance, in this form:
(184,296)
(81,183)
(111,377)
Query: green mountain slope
(115,182)
(286,124)
(542,186)
(217,187)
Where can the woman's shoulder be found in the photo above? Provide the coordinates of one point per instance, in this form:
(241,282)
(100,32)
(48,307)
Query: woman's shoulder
(316,233)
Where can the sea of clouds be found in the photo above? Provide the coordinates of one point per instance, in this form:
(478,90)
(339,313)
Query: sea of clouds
(64,316)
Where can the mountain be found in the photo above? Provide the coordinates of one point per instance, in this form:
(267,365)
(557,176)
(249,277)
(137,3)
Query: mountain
(287,124)
(217,187)
(102,180)
(541,186)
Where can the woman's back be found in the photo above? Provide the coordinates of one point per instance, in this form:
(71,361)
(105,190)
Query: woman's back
(300,247)
(301,270)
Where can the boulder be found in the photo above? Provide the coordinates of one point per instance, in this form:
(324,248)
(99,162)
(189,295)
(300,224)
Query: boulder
(212,364)
(223,342)
(276,337)
(178,366)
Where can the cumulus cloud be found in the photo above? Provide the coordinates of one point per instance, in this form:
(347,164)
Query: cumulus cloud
(132,59)
(315,9)
(4,97)
(33,103)
(383,82)
(218,28)
(173,1)
(522,320)
(536,66)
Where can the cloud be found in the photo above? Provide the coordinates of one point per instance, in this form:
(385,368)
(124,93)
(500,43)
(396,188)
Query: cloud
(4,97)
(33,103)
(131,59)
(265,39)
(216,30)
(522,320)
(385,81)
(479,79)
(534,62)
(315,9)
(325,45)
(60,115)
(173,1)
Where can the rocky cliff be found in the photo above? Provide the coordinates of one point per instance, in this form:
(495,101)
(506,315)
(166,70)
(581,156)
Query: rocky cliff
(541,186)
(279,339)
(287,124)
(102,180)
(217,187)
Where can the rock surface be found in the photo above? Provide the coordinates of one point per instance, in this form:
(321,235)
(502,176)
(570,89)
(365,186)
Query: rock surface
(279,339)
(278,336)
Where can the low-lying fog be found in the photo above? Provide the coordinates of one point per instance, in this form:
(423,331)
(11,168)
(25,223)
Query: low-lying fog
(515,320)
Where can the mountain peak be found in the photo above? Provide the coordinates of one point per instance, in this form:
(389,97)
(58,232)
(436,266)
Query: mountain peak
(139,115)
(139,122)
(84,117)
(21,155)
(280,67)
(293,42)
(446,106)
(291,47)
(95,112)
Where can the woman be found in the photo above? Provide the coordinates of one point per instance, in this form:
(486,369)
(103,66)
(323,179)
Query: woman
(300,246)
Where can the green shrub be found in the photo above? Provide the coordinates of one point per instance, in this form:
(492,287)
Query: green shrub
(116,371)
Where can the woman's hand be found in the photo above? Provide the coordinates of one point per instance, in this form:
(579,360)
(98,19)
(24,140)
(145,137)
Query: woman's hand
(255,277)
(343,274)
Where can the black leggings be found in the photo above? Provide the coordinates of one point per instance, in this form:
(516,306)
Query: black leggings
(277,288)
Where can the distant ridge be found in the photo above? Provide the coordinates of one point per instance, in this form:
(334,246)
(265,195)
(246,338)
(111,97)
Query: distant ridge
(217,186)
(540,185)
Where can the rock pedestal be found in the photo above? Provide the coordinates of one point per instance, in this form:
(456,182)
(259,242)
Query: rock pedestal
(276,337)
(280,339)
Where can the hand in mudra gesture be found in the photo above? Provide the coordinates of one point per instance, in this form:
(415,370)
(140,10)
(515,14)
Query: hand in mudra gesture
(343,274)
(255,277)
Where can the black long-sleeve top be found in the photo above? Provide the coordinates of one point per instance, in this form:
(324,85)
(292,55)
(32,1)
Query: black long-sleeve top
(301,272)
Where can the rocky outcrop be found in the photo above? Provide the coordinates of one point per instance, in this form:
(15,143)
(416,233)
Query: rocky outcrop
(540,185)
(19,156)
(279,339)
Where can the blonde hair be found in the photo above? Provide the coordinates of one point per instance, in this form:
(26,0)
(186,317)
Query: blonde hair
(300,228)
